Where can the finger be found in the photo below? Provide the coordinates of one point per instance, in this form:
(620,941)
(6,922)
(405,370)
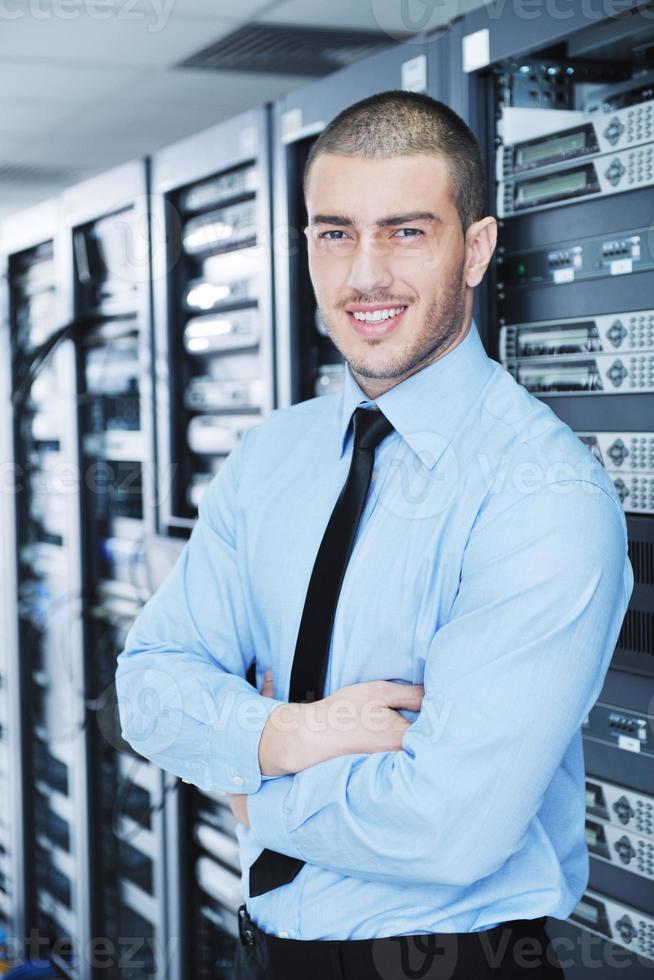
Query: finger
(267,687)
(405,695)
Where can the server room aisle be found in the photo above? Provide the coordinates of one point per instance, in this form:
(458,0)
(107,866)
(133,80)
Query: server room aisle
(156,304)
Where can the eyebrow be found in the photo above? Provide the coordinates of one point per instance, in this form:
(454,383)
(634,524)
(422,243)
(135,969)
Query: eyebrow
(390,222)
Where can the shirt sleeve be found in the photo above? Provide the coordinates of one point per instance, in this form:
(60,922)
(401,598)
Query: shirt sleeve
(509,679)
(183,699)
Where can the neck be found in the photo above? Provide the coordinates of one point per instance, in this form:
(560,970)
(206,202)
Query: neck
(374,387)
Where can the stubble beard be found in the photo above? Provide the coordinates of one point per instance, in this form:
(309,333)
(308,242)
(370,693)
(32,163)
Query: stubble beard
(443,322)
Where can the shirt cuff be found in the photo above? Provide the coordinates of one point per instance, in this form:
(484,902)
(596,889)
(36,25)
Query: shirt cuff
(239,731)
(267,817)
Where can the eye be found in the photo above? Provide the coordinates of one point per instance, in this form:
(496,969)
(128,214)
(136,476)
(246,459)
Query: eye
(326,234)
(413,232)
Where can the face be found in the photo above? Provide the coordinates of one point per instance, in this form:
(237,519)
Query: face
(391,268)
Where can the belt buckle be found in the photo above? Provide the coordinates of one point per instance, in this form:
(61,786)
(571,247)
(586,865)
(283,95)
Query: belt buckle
(245,930)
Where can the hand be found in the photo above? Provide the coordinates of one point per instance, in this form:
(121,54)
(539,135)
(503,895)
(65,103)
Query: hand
(239,801)
(359,718)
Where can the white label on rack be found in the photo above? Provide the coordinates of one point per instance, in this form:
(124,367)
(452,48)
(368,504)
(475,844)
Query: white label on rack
(291,124)
(628,743)
(620,266)
(476,50)
(414,74)
(564,275)
(247,141)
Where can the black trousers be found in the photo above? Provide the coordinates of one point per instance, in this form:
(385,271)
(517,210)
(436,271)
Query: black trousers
(516,950)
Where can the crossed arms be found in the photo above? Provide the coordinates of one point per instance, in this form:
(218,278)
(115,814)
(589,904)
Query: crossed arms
(508,681)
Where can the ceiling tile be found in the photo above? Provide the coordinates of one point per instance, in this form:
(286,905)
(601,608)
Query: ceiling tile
(395,19)
(244,10)
(372,15)
(30,117)
(21,79)
(189,86)
(156,10)
(10,145)
(125,120)
(67,149)
(142,39)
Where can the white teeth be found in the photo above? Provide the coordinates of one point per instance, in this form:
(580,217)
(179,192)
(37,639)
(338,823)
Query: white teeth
(377,315)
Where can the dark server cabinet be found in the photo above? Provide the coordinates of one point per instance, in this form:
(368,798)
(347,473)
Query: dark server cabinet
(308,363)
(563,108)
(43,687)
(108,276)
(214,353)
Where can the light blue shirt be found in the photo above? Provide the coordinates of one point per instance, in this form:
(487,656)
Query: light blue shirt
(490,565)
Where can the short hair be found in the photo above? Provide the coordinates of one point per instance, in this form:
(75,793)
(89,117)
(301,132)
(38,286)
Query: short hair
(399,123)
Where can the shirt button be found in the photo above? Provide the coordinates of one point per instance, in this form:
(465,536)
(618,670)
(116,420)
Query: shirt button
(283,934)
(237,780)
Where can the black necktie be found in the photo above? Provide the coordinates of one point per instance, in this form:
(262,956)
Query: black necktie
(270,870)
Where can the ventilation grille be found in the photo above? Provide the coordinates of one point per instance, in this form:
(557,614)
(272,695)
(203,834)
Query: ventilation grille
(637,633)
(287,50)
(641,556)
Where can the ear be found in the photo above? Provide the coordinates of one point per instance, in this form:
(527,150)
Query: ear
(481,238)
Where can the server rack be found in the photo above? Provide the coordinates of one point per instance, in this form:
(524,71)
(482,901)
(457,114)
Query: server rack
(41,224)
(212,272)
(130,806)
(212,261)
(51,886)
(308,363)
(567,308)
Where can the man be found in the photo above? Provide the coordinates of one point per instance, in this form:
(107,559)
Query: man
(409,782)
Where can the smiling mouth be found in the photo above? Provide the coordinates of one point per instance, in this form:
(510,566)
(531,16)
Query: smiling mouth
(378,315)
(376,322)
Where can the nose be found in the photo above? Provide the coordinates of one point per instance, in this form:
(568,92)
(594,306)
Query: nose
(370,268)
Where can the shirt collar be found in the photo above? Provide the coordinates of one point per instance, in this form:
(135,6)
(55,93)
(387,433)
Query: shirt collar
(434,399)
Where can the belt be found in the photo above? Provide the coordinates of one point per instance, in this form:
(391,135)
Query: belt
(451,954)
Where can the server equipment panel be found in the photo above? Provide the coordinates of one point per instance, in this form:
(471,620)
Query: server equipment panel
(603,133)
(563,113)
(606,347)
(213,311)
(626,926)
